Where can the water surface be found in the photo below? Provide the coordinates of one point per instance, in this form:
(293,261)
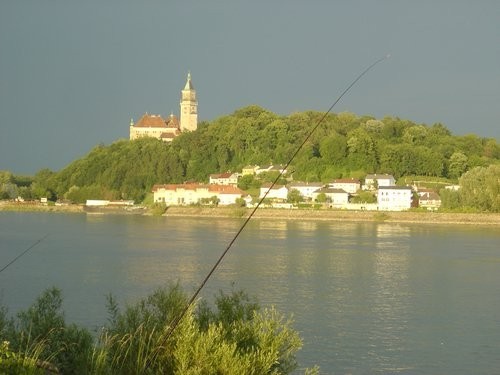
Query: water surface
(366,297)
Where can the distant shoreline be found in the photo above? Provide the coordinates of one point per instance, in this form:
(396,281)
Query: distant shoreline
(281,214)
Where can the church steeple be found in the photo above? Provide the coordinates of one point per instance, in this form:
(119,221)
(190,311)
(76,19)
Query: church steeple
(189,106)
(189,84)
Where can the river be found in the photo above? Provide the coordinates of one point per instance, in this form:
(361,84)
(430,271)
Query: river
(365,297)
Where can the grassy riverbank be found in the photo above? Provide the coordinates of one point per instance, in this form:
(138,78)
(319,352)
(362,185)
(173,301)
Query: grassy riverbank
(287,214)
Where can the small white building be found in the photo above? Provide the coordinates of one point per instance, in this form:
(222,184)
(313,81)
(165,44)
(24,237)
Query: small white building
(336,197)
(277,192)
(306,189)
(224,179)
(373,181)
(350,185)
(394,198)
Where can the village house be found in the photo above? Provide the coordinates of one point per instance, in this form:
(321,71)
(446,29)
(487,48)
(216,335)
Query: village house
(249,170)
(373,181)
(350,185)
(166,129)
(335,197)
(428,198)
(185,194)
(306,189)
(224,179)
(394,198)
(279,192)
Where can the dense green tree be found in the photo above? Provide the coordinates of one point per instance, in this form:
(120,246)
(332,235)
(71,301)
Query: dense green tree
(458,165)
(333,149)
(480,188)
(362,150)
(450,199)
(294,196)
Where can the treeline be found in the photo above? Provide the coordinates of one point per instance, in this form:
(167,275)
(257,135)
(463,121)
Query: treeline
(344,145)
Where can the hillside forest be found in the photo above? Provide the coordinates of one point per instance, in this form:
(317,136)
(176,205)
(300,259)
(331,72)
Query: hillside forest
(344,145)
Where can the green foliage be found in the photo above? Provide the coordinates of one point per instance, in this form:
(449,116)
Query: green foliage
(364,197)
(480,188)
(12,362)
(43,329)
(321,198)
(234,336)
(450,200)
(158,208)
(294,196)
(457,165)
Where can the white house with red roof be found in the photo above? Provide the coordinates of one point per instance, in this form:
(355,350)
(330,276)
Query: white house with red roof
(185,194)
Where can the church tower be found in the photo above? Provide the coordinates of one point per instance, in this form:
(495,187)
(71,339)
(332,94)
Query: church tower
(189,107)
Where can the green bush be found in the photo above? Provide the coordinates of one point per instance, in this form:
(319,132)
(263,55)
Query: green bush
(232,336)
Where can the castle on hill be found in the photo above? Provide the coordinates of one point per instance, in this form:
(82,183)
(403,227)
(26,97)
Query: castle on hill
(166,129)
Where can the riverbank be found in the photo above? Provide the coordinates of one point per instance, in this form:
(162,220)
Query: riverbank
(340,215)
(284,214)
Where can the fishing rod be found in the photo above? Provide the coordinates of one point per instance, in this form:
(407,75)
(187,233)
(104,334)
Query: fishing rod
(24,252)
(178,319)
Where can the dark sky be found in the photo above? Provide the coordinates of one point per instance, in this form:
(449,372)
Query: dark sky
(73,73)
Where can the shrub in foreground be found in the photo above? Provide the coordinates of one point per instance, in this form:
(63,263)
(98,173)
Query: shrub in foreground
(232,336)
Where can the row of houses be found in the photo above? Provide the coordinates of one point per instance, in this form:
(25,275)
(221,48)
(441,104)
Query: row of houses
(350,185)
(222,189)
(389,198)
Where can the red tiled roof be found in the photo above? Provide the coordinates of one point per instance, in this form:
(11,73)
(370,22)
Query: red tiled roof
(156,121)
(169,135)
(150,121)
(221,175)
(225,189)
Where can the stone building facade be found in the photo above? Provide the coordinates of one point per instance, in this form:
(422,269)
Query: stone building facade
(166,129)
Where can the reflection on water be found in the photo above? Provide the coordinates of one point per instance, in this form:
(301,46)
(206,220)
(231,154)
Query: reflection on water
(366,297)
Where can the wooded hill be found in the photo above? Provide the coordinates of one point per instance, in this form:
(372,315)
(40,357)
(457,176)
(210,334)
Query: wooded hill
(344,145)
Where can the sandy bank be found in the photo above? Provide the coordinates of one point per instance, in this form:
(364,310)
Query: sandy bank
(334,215)
(286,214)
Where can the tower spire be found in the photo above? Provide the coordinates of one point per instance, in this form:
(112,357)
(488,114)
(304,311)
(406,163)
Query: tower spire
(189,84)
(189,106)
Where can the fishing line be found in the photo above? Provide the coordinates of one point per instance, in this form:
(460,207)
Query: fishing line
(177,320)
(24,252)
